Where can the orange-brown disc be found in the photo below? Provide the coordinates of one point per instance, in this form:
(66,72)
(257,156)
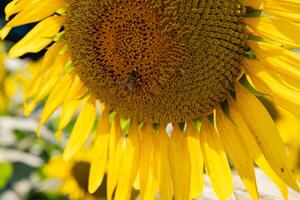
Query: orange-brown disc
(157,60)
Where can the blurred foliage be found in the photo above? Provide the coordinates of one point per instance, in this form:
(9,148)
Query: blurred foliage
(6,173)
(22,154)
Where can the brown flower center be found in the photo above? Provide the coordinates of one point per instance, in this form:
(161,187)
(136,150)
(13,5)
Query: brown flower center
(158,60)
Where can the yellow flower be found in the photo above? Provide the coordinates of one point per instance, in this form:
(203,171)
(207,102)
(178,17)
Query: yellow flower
(11,81)
(73,176)
(149,63)
(18,79)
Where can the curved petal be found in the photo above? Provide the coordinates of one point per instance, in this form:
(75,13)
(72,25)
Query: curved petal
(129,163)
(148,181)
(197,162)
(253,148)
(81,130)
(237,152)
(180,164)
(38,37)
(216,163)
(265,133)
(100,150)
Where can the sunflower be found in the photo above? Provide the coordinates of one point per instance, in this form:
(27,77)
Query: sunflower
(134,66)
(73,176)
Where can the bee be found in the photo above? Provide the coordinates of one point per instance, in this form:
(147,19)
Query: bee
(132,79)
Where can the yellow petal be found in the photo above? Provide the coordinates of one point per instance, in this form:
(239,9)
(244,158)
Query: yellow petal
(265,133)
(38,38)
(275,29)
(136,184)
(4,32)
(50,168)
(16,6)
(100,151)
(68,111)
(253,148)
(76,91)
(56,98)
(47,63)
(237,152)
(288,9)
(180,164)
(81,130)
(33,12)
(115,135)
(50,56)
(284,69)
(148,182)
(129,164)
(115,153)
(163,169)
(48,79)
(193,142)
(254,3)
(277,59)
(45,87)
(273,51)
(11,5)
(281,91)
(265,166)
(216,164)
(42,89)
(28,107)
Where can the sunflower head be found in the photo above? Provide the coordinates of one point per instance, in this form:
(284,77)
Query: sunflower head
(154,62)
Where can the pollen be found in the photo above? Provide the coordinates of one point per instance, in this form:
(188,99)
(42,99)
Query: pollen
(157,60)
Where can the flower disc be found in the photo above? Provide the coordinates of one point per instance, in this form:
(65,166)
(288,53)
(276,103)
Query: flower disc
(157,60)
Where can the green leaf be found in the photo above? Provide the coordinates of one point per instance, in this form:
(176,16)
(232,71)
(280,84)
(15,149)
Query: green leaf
(6,170)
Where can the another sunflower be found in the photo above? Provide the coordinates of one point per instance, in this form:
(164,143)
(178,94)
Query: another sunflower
(73,176)
(13,80)
(156,62)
